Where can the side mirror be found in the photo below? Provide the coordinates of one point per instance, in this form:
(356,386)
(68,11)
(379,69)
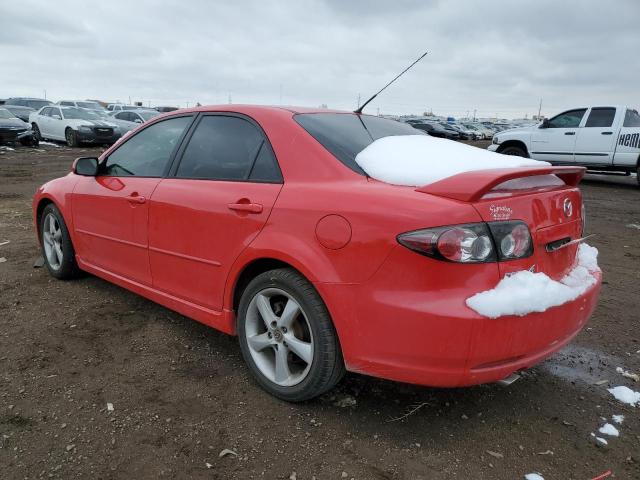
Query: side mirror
(545,123)
(57,117)
(137,120)
(86,166)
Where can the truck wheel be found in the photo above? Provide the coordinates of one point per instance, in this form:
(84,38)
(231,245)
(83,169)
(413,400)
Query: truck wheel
(517,151)
(287,337)
(638,174)
(72,137)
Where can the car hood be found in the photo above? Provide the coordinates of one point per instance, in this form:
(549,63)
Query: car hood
(12,123)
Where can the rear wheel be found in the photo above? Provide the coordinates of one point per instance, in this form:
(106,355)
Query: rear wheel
(638,174)
(71,137)
(513,150)
(36,132)
(57,249)
(287,338)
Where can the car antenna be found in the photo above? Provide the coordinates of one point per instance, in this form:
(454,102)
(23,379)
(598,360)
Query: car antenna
(361,107)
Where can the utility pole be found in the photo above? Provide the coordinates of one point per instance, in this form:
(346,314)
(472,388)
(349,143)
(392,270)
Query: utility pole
(45,93)
(539,108)
(378,111)
(474,114)
(229,98)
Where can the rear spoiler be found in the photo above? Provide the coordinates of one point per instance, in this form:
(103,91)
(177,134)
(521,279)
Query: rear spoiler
(472,186)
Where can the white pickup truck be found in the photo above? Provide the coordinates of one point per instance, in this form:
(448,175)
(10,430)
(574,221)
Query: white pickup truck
(604,139)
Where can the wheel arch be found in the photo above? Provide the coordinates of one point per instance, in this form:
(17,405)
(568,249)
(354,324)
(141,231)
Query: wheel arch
(513,143)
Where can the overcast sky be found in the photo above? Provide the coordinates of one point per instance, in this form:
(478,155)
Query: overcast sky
(497,57)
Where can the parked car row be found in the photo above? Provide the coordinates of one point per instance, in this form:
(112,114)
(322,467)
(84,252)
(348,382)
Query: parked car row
(71,121)
(452,131)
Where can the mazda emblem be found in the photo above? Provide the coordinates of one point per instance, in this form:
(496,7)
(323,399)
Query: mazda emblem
(567,207)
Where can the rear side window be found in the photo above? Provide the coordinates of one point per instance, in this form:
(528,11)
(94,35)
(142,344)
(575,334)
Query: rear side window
(570,119)
(228,148)
(345,135)
(147,153)
(601,117)
(631,119)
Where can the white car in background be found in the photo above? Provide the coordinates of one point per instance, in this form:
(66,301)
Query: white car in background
(73,125)
(88,104)
(127,120)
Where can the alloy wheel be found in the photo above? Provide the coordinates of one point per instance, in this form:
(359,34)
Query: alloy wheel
(52,241)
(279,337)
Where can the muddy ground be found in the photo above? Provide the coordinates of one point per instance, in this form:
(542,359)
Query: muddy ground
(181,394)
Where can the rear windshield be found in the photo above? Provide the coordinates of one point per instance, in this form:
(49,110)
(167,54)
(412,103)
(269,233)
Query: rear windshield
(345,135)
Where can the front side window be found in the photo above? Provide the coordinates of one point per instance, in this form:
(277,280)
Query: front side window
(46,112)
(147,153)
(55,111)
(601,117)
(570,119)
(228,148)
(345,134)
(631,119)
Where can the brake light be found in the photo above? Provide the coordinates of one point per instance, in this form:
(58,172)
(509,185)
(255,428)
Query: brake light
(472,243)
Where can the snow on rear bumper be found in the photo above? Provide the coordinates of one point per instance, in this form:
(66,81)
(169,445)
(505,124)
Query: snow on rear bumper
(397,326)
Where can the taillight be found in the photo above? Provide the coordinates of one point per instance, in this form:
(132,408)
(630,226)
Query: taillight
(472,243)
(512,239)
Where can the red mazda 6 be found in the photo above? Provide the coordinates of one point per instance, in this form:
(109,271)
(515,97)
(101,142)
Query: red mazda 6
(258,221)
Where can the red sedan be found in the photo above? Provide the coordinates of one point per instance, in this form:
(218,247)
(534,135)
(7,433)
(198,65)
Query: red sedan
(261,222)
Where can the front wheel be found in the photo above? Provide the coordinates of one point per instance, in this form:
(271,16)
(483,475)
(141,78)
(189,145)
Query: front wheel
(638,174)
(287,337)
(59,255)
(72,137)
(36,132)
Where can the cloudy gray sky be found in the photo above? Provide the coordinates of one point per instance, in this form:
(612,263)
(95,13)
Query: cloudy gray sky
(497,57)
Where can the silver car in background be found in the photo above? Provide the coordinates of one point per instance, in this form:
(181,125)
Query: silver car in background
(127,120)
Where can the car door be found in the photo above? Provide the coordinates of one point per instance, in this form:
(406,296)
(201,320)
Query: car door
(555,140)
(595,140)
(111,210)
(42,121)
(56,124)
(223,188)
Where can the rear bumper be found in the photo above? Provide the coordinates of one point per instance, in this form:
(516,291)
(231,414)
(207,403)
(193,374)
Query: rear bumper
(401,328)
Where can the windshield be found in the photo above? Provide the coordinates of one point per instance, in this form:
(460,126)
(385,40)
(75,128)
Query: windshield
(37,104)
(93,105)
(80,113)
(148,115)
(345,135)
(4,113)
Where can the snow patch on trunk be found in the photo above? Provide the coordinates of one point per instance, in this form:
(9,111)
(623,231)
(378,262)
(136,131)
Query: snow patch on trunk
(526,292)
(418,160)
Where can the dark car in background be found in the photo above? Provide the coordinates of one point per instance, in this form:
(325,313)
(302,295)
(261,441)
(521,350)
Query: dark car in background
(165,109)
(35,103)
(13,130)
(435,129)
(19,111)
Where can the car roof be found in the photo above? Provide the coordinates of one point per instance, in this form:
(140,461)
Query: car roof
(243,108)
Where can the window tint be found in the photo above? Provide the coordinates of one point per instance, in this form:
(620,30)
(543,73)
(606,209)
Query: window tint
(569,119)
(46,112)
(601,117)
(345,135)
(147,153)
(55,111)
(631,119)
(227,148)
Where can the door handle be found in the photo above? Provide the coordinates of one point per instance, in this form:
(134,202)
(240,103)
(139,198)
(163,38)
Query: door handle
(569,133)
(606,133)
(245,207)
(137,199)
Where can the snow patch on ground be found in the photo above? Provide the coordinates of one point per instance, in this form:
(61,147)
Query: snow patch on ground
(618,419)
(625,395)
(608,429)
(526,292)
(417,160)
(533,476)
(50,144)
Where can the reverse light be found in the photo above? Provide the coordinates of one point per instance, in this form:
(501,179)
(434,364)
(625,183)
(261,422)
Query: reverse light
(472,243)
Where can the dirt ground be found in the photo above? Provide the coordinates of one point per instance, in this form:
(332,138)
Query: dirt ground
(181,394)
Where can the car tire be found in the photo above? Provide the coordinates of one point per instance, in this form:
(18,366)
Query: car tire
(287,338)
(638,174)
(71,136)
(36,132)
(515,151)
(55,242)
